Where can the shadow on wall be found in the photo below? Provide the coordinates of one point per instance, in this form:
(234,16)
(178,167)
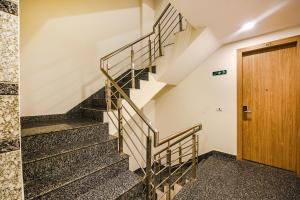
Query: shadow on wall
(61,42)
(37,12)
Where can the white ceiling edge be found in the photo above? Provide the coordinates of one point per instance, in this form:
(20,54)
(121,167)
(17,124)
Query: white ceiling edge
(225,18)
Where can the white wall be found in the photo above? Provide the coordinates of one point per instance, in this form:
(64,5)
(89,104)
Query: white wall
(197,98)
(62,43)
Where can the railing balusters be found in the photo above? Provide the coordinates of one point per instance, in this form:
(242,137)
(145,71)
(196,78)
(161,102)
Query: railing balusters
(180,22)
(148,167)
(150,55)
(194,169)
(169,153)
(132,68)
(159,40)
(154,178)
(120,125)
(180,158)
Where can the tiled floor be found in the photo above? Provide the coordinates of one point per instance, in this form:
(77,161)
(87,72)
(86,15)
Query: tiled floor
(225,178)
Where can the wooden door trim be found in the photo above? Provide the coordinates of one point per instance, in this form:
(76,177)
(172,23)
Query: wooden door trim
(240,53)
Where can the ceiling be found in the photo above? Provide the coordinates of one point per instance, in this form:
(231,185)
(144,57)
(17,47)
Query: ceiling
(226,17)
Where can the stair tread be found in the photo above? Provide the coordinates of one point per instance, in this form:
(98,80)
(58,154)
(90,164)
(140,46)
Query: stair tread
(54,126)
(113,188)
(42,186)
(65,148)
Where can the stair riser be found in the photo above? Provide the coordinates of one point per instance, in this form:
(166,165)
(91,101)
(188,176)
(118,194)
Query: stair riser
(87,183)
(127,84)
(63,162)
(101,103)
(33,146)
(92,114)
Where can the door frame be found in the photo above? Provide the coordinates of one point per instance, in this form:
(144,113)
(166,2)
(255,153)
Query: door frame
(240,53)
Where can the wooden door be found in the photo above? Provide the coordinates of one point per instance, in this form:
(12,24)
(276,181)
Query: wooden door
(270,101)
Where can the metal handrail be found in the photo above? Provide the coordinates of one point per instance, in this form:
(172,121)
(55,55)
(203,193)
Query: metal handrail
(194,129)
(140,39)
(113,89)
(130,102)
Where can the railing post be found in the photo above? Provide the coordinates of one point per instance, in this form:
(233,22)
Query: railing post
(180,22)
(120,125)
(150,55)
(180,160)
(148,167)
(107,91)
(194,169)
(159,40)
(169,174)
(132,68)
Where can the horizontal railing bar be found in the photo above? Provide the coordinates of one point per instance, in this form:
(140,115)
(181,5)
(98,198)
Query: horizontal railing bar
(162,14)
(126,46)
(137,110)
(162,28)
(133,77)
(182,156)
(135,121)
(165,17)
(194,129)
(135,133)
(171,32)
(119,71)
(160,171)
(112,120)
(138,40)
(169,28)
(134,157)
(182,175)
(176,170)
(137,149)
(161,183)
(116,64)
(173,152)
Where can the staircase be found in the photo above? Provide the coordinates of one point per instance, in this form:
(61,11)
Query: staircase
(76,156)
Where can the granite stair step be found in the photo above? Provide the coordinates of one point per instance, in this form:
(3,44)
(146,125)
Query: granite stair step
(63,162)
(46,139)
(125,186)
(79,179)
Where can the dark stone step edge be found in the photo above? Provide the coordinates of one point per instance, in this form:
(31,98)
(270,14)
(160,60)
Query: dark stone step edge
(111,138)
(71,128)
(124,157)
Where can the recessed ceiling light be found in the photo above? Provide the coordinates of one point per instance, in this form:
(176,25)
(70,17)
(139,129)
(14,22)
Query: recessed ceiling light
(248,26)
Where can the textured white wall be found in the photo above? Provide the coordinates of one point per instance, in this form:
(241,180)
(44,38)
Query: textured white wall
(197,98)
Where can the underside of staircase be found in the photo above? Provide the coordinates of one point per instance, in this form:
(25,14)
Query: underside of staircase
(72,155)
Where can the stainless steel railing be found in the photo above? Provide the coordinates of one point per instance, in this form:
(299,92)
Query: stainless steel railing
(121,68)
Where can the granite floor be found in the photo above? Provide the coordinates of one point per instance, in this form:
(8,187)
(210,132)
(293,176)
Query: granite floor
(221,177)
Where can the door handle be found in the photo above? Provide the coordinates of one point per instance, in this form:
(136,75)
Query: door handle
(245,112)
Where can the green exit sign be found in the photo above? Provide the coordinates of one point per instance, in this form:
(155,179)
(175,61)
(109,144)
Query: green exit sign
(219,73)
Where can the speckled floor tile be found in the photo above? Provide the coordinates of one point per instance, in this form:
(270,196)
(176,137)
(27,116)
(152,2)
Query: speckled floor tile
(10,176)
(225,178)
